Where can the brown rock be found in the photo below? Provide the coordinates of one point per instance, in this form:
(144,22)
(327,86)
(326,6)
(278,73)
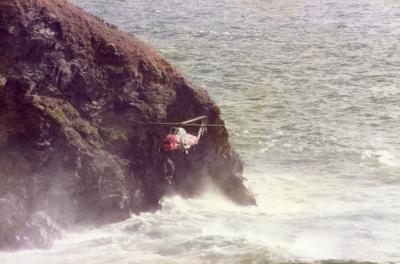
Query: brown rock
(72,91)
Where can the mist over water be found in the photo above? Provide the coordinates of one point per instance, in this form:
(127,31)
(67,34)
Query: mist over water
(310,91)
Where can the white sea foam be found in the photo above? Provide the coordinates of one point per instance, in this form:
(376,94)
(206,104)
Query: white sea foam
(295,221)
(383,157)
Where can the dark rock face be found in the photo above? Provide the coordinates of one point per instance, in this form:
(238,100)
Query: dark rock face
(72,91)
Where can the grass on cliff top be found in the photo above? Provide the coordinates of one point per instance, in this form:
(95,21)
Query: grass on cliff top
(67,116)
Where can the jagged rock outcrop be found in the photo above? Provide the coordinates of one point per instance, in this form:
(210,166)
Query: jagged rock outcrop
(73,91)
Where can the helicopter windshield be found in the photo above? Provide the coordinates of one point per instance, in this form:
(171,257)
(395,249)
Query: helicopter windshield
(174,130)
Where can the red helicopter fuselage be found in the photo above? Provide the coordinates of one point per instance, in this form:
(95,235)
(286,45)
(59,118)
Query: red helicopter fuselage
(179,139)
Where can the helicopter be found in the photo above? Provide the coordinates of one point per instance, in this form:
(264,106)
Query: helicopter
(178,139)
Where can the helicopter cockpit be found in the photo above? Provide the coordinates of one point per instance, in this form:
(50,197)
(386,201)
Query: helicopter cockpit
(179,131)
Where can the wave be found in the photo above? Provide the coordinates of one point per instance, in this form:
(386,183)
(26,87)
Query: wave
(211,229)
(382,157)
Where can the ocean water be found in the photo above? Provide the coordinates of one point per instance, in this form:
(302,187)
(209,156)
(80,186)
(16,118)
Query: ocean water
(310,91)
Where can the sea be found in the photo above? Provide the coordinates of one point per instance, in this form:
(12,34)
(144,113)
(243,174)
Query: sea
(310,92)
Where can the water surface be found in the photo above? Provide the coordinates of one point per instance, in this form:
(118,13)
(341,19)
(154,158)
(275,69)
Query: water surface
(310,91)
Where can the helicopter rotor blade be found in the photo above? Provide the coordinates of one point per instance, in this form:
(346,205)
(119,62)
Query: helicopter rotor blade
(179,124)
(194,119)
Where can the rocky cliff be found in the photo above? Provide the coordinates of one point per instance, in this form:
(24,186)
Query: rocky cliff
(73,92)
